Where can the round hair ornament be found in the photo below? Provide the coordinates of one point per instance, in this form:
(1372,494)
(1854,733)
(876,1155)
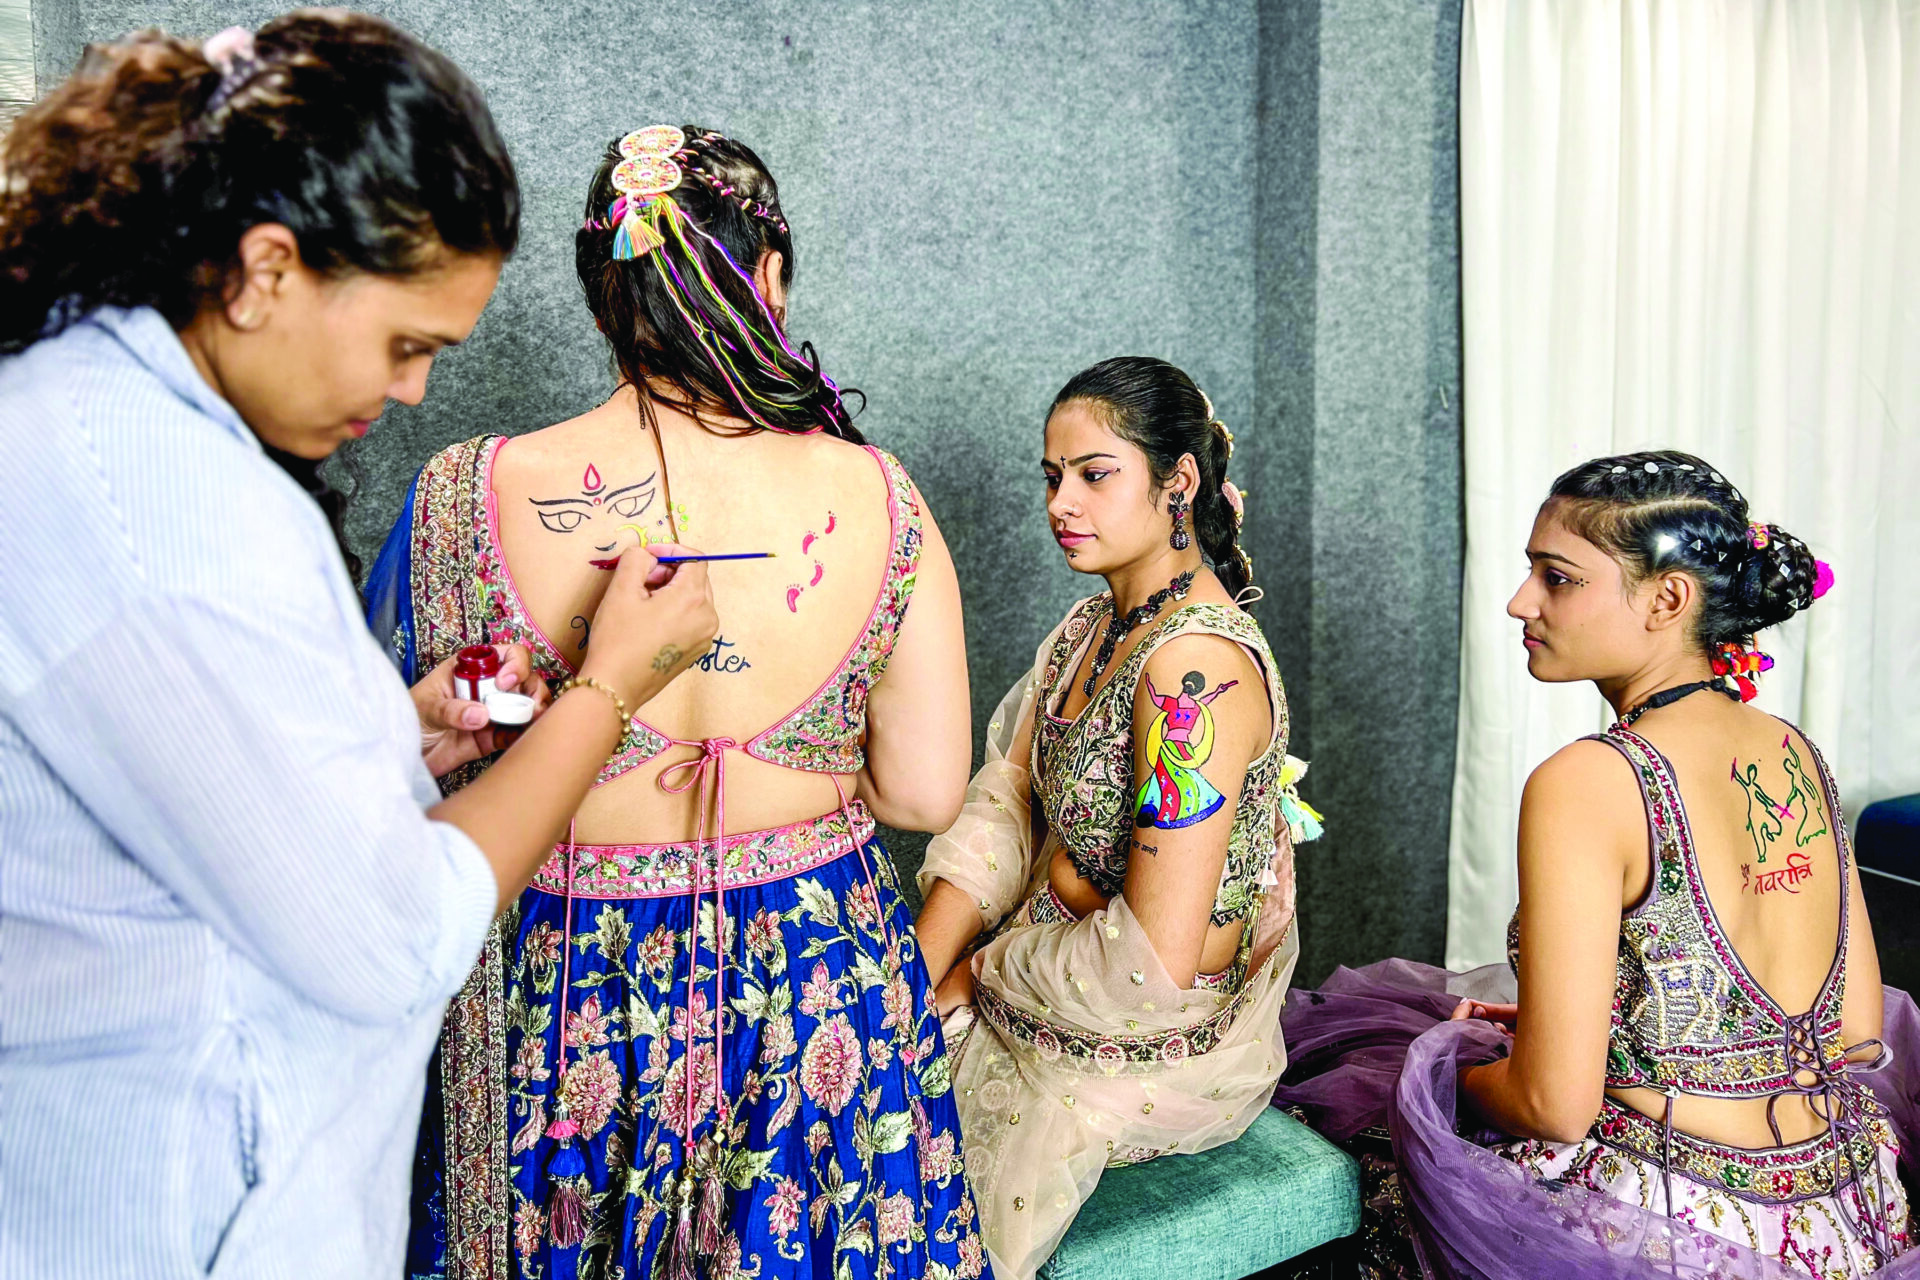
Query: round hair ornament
(647,172)
(646,175)
(649,168)
(654,140)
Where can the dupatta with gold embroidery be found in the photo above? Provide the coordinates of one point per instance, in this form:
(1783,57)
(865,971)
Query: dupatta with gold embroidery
(1080,1052)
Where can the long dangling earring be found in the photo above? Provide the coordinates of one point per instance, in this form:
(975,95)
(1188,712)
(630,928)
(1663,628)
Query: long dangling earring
(1180,539)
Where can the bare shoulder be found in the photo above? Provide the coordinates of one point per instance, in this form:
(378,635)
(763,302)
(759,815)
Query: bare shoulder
(828,463)
(1584,797)
(1216,657)
(1582,774)
(532,455)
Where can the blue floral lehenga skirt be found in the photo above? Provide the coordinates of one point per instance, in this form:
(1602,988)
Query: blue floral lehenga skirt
(824,1138)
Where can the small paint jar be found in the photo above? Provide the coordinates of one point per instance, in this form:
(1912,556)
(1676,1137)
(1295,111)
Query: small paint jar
(509,710)
(475,668)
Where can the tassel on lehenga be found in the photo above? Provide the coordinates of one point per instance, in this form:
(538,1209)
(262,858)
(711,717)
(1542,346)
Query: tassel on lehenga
(567,1167)
(680,1255)
(566,1208)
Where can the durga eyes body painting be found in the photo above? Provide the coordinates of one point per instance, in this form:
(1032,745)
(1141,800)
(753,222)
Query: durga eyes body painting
(605,514)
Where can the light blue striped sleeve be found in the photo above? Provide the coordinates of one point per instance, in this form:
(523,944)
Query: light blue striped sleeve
(235,754)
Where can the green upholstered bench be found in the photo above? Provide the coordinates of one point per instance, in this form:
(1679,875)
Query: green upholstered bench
(1278,1192)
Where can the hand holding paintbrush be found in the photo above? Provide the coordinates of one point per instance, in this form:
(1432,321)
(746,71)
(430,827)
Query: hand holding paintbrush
(675,555)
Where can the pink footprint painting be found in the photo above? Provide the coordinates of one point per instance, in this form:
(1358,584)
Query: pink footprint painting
(794,589)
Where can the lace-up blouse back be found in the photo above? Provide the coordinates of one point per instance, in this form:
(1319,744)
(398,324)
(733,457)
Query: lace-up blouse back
(1746,977)
(721,899)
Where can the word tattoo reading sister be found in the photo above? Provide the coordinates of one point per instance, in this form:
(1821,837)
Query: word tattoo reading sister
(719,661)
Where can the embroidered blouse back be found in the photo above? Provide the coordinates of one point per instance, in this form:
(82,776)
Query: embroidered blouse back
(1687,1013)
(823,734)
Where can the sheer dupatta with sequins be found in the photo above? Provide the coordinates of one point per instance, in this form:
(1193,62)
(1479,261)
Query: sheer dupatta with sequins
(1080,1052)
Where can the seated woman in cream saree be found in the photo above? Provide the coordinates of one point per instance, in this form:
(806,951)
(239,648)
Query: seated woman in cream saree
(1125,848)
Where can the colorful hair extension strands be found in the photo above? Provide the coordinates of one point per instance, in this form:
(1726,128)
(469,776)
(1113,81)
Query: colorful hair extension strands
(648,222)
(748,331)
(745,327)
(677,291)
(773,325)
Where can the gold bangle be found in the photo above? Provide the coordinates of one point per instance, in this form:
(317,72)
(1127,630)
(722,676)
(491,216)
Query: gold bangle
(588,682)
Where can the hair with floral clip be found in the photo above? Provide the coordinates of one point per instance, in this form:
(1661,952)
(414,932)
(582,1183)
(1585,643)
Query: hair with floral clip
(233,55)
(1237,499)
(695,218)
(1662,510)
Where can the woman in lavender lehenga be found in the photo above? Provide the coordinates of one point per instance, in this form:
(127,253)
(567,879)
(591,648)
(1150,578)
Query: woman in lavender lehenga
(1696,1078)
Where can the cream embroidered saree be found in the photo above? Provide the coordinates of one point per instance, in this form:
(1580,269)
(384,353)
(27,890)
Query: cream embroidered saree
(1080,1052)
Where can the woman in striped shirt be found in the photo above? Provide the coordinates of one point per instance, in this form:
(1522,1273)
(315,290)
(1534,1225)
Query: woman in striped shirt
(232,901)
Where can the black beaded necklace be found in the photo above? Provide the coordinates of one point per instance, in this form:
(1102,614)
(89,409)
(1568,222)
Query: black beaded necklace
(1674,694)
(1118,625)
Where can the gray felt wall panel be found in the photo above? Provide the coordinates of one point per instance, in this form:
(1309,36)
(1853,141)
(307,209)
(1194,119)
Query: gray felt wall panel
(987,196)
(1386,483)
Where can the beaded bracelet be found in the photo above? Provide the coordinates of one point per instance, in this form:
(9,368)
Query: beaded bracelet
(588,682)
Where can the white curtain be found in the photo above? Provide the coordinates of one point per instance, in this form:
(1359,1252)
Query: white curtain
(1691,224)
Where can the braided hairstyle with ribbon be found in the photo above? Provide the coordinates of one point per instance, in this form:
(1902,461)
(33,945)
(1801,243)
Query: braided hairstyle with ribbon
(1157,408)
(1663,510)
(680,308)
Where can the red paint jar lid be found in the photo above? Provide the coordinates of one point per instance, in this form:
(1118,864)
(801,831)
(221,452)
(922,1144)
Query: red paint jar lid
(476,662)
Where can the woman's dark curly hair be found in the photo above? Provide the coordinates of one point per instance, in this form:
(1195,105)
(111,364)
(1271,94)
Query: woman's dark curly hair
(123,189)
(132,183)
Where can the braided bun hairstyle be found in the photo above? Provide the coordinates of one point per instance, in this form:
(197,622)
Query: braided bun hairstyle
(1156,408)
(1664,510)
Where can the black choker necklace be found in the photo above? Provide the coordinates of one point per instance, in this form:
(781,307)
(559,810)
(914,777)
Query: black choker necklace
(1674,694)
(1118,626)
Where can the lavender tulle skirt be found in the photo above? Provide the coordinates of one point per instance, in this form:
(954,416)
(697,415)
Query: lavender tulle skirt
(1372,1050)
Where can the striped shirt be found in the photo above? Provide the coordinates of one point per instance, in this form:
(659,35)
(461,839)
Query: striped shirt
(228,930)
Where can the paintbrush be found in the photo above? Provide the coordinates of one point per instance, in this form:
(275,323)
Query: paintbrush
(735,555)
(610,565)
